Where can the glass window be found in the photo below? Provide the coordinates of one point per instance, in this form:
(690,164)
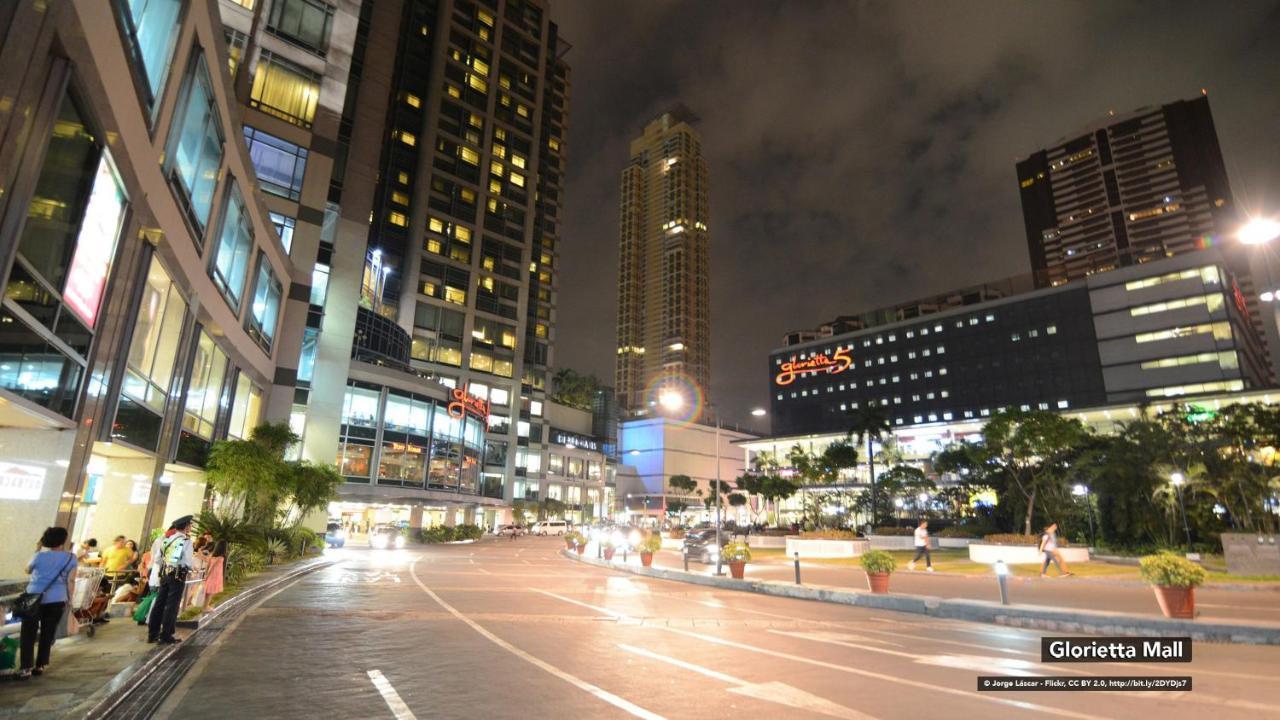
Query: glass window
(398,413)
(575,468)
(245,407)
(354,460)
(208,369)
(304,22)
(195,145)
(285,90)
(360,406)
(284,229)
(555,464)
(235,246)
(236,42)
(280,164)
(319,283)
(154,345)
(307,358)
(593,469)
(152,30)
(403,462)
(265,312)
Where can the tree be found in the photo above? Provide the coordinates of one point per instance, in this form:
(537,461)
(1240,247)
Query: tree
(1033,449)
(549,508)
(772,487)
(257,482)
(575,389)
(869,423)
(683,483)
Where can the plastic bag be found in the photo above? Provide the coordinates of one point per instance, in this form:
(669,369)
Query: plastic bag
(144,607)
(9,653)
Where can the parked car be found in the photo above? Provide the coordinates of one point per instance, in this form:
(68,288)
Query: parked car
(700,544)
(386,536)
(334,535)
(516,530)
(550,527)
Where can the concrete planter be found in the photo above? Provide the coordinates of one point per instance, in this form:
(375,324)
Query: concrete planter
(955,542)
(989,553)
(767,541)
(898,542)
(825,548)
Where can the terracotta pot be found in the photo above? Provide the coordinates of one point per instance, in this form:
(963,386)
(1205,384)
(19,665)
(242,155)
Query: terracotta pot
(580,548)
(646,559)
(737,569)
(568,544)
(879,582)
(1176,602)
(608,553)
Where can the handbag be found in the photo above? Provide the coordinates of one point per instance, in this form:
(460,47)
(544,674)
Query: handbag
(27,606)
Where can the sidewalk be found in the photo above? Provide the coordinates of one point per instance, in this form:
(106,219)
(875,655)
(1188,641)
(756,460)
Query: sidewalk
(85,670)
(1068,604)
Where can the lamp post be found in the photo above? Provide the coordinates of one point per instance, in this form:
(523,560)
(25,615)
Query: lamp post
(1177,479)
(1081,489)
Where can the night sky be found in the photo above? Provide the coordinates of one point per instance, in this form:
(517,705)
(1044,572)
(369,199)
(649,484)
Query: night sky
(862,154)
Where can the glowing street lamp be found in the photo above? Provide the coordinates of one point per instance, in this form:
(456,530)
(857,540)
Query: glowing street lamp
(671,400)
(1178,480)
(1258,231)
(759,412)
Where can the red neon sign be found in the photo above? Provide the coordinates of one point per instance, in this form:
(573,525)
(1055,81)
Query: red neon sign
(837,362)
(464,402)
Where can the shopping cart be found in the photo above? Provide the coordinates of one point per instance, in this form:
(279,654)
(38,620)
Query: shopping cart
(88,600)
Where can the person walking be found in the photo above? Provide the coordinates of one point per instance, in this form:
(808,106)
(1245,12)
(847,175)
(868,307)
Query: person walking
(51,571)
(922,547)
(1049,546)
(172,564)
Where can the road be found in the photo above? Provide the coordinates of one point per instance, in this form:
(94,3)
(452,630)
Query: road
(502,629)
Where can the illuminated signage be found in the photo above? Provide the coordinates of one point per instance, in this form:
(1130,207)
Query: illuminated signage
(21,482)
(96,245)
(1239,298)
(837,362)
(464,402)
(572,439)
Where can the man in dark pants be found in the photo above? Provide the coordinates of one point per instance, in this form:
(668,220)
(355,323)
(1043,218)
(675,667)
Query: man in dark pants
(175,562)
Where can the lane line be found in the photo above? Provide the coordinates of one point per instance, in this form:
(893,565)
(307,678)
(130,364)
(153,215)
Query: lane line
(392,698)
(577,682)
(714,674)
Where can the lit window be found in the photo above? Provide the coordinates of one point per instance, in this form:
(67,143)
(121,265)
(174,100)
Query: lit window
(230,268)
(195,146)
(412,100)
(399,198)
(265,311)
(1220,330)
(279,164)
(405,137)
(468,155)
(285,90)
(152,30)
(397,218)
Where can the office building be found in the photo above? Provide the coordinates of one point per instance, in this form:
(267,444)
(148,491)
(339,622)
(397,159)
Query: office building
(664,314)
(1177,327)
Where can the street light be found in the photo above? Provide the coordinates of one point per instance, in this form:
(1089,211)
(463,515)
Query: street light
(759,412)
(671,400)
(1258,231)
(1177,479)
(1079,490)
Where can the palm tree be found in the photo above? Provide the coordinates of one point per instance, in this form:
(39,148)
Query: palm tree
(872,424)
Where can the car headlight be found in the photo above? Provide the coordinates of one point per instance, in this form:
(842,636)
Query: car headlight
(399,541)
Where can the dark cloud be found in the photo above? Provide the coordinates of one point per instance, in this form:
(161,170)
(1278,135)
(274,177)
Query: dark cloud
(863,153)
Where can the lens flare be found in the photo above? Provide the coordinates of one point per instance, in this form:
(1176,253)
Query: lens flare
(676,397)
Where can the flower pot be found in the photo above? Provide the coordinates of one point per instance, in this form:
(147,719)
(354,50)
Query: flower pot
(737,569)
(568,544)
(646,559)
(1176,602)
(580,548)
(608,553)
(879,582)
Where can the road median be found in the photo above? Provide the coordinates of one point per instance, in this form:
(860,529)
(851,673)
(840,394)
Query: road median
(1037,617)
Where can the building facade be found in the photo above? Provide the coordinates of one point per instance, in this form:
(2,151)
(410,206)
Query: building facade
(664,306)
(146,289)
(1168,328)
(657,448)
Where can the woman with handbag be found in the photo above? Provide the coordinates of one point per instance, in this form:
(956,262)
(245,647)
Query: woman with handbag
(42,605)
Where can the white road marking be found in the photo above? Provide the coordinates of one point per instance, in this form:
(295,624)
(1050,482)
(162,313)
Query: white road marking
(577,682)
(776,692)
(972,695)
(389,694)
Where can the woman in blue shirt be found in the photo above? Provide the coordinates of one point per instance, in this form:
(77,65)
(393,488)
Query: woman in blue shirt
(51,571)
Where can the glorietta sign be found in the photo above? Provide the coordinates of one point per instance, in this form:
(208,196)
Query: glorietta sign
(464,402)
(837,362)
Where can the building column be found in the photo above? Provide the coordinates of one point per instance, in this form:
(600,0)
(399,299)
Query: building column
(415,517)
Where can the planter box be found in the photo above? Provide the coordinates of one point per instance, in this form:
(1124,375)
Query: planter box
(898,542)
(825,548)
(1022,554)
(956,542)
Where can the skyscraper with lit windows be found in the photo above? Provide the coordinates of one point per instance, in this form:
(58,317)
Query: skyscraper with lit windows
(664,313)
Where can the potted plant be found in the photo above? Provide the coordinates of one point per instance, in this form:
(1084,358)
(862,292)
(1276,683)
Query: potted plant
(878,564)
(648,546)
(737,555)
(1174,580)
(609,548)
(575,541)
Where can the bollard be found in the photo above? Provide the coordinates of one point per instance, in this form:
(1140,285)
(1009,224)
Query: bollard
(1002,574)
(797,568)
(624,554)
(599,550)
(686,560)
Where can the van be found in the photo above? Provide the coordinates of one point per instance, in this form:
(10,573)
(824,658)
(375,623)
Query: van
(550,527)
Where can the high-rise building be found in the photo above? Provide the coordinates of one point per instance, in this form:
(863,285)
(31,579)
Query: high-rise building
(664,313)
(1126,190)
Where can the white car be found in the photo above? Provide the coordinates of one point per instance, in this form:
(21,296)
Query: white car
(550,527)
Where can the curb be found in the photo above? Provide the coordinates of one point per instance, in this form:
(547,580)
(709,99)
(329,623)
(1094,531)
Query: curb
(1056,619)
(124,683)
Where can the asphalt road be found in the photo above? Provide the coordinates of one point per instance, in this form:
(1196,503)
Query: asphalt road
(503,629)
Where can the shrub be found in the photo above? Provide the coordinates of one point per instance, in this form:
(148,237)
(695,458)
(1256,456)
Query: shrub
(650,544)
(573,537)
(955,532)
(437,534)
(829,534)
(276,548)
(878,561)
(736,552)
(676,533)
(468,532)
(1012,539)
(893,531)
(1169,570)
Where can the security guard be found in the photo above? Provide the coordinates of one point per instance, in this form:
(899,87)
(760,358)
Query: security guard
(174,562)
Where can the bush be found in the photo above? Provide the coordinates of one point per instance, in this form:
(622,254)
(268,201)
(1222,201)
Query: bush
(829,534)
(878,561)
(893,531)
(436,534)
(736,552)
(650,544)
(676,533)
(468,532)
(574,537)
(1169,570)
(1012,539)
(955,532)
